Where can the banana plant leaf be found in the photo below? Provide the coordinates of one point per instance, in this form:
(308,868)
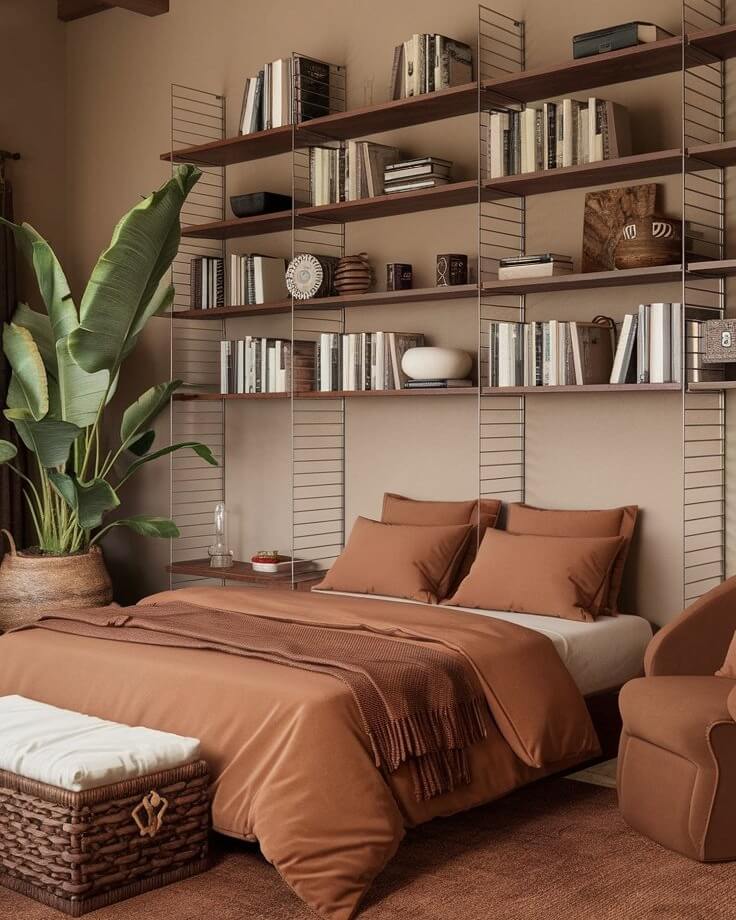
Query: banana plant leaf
(145,526)
(139,415)
(91,500)
(52,282)
(29,374)
(80,394)
(39,325)
(127,275)
(201,450)
(65,486)
(50,439)
(143,444)
(7,451)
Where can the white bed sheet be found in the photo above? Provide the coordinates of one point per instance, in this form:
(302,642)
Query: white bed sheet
(599,656)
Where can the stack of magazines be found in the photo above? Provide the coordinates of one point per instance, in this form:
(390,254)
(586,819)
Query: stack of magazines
(542,265)
(409,175)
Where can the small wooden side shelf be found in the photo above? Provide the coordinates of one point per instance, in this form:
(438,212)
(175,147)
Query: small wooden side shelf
(243,572)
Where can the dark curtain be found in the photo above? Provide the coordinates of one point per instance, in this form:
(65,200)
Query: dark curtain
(12,512)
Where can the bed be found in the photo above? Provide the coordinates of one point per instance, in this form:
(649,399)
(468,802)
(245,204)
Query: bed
(293,769)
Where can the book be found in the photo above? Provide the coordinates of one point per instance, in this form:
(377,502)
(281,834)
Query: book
(448,383)
(624,349)
(660,338)
(453,62)
(419,167)
(398,86)
(591,352)
(312,91)
(414,185)
(642,345)
(534,270)
(601,41)
(269,278)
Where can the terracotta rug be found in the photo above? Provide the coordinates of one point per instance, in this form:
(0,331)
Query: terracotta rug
(557,850)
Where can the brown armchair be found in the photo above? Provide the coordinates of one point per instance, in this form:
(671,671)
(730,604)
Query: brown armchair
(677,755)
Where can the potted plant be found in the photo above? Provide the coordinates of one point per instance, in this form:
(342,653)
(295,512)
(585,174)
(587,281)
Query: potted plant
(65,369)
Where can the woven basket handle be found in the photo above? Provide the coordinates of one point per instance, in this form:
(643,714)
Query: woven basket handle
(11,541)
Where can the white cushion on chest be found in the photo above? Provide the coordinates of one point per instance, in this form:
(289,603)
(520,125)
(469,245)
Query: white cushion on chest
(78,752)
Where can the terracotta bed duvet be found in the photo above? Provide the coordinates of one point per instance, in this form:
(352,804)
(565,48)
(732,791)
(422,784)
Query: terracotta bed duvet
(293,764)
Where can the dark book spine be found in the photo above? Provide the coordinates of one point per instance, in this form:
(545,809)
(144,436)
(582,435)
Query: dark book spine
(551,137)
(195,284)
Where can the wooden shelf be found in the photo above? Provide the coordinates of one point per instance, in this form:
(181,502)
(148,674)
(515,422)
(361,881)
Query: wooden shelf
(445,196)
(370,299)
(605,172)
(718,268)
(243,572)
(588,388)
(621,66)
(711,386)
(714,154)
(390,394)
(213,397)
(374,119)
(585,280)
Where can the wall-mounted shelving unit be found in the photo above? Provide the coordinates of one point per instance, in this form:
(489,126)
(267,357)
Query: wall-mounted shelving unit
(503,81)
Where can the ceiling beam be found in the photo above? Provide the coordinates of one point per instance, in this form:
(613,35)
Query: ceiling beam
(67,10)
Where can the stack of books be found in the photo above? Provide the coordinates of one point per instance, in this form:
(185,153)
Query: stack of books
(552,353)
(445,383)
(206,282)
(559,134)
(362,360)
(422,172)
(285,92)
(429,62)
(625,35)
(542,265)
(256,279)
(650,346)
(350,172)
(263,365)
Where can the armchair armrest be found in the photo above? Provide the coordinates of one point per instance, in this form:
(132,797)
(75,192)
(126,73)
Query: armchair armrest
(731,703)
(696,642)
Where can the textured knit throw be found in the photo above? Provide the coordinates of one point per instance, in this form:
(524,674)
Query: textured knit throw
(420,701)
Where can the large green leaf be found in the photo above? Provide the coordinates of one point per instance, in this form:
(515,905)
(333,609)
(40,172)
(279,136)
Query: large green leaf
(158,304)
(201,450)
(39,325)
(50,277)
(7,451)
(65,486)
(128,273)
(50,439)
(145,526)
(81,394)
(94,499)
(142,444)
(139,415)
(28,371)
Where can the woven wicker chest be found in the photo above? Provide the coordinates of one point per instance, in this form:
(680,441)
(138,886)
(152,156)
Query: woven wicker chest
(79,851)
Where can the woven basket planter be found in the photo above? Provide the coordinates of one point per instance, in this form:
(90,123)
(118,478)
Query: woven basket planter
(79,851)
(31,584)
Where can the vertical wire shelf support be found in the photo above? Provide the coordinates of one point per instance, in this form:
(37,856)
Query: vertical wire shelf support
(501,232)
(703,226)
(318,424)
(197,116)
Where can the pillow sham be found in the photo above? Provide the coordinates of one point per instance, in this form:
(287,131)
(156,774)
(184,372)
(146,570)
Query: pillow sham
(553,576)
(418,563)
(728,668)
(608,522)
(483,513)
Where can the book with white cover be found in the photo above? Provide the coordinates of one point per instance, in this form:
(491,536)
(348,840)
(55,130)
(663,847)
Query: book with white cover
(497,129)
(624,349)
(660,343)
(270,279)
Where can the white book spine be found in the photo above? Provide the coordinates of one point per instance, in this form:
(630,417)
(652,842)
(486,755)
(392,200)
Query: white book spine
(660,343)
(224,352)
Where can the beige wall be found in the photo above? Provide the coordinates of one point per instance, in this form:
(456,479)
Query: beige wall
(582,451)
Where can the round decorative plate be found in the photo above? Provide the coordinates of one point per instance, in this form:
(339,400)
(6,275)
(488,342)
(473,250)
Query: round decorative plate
(304,276)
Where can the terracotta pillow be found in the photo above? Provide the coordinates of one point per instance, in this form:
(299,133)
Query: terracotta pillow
(413,562)
(728,668)
(553,576)
(609,522)
(483,513)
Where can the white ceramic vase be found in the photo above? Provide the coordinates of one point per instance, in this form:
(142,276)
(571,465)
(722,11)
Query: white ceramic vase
(429,363)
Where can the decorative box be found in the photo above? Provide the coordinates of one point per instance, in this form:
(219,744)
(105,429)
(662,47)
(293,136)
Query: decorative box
(452,268)
(720,341)
(79,851)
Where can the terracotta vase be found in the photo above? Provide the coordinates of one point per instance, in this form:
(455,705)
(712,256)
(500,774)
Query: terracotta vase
(31,584)
(353,275)
(648,241)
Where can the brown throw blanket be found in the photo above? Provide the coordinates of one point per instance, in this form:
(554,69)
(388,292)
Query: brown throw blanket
(420,700)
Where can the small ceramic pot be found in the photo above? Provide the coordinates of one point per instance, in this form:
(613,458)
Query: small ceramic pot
(648,241)
(427,363)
